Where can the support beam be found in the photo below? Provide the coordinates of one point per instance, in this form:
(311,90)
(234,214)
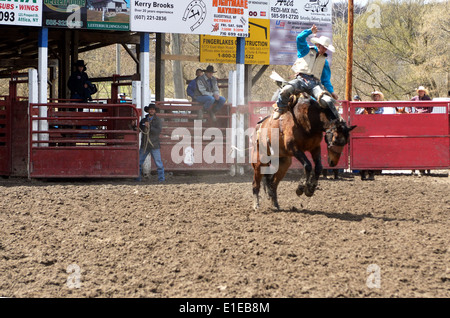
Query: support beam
(65,67)
(349,73)
(131,54)
(240,117)
(144,69)
(248,83)
(42,81)
(177,69)
(159,66)
(259,74)
(74,44)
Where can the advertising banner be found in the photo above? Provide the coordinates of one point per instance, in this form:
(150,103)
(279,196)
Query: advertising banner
(283,39)
(258,9)
(301,10)
(87,14)
(217,49)
(212,17)
(24,13)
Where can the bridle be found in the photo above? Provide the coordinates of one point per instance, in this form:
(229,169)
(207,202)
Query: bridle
(336,148)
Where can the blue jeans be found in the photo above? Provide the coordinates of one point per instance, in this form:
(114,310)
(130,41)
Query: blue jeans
(156,155)
(210,102)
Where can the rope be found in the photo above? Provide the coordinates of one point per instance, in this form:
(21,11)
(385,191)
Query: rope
(147,133)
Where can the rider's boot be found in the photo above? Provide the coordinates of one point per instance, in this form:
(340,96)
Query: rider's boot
(283,99)
(326,102)
(278,111)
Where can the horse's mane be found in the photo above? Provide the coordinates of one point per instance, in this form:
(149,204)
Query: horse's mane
(300,104)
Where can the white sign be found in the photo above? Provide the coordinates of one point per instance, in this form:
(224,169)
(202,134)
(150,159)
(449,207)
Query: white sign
(259,9)
(212,17)
(283,39)
(301,10)
(23,12)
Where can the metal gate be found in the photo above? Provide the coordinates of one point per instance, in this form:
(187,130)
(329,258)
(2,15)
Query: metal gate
(84,140)
(400,141)
(190,144)
(14,129)
(5,136)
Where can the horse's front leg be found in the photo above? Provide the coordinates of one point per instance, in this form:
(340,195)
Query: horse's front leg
(256,184)
(274,180)
(300,156)
(313,180)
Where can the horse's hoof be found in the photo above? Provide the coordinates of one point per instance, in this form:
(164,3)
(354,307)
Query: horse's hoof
(309,191)
(299,191)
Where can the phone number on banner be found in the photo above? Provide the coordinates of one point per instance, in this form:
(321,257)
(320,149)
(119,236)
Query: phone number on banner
(64,23)
(7,16)
(284,16)
(150,17)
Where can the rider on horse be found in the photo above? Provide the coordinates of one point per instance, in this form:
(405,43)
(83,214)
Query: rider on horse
(312,71)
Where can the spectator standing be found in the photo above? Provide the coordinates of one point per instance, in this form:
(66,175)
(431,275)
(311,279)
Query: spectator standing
(377,96)
(150,127)
(79,83)
(357,98)
(422,95)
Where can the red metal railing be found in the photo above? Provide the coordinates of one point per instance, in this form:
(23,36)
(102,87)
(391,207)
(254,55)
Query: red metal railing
(181,127)
(98,141)
(400,141)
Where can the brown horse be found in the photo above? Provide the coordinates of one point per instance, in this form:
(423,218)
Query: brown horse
(299,130)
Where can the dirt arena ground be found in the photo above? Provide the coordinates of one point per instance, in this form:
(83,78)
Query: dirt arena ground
(198,236)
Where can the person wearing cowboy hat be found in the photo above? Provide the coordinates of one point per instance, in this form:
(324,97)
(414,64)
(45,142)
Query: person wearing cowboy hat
(207,93)
(150,126)
(312,73)
(422,94)
(79,83)
(376,96)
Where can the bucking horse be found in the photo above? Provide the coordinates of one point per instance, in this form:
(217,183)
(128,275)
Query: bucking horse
(297,131)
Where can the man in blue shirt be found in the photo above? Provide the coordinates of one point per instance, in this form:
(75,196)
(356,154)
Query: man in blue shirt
(312,74)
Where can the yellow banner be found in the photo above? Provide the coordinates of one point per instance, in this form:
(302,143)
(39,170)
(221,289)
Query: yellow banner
(219,49)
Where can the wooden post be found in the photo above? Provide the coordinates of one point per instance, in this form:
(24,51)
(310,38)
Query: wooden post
(349,73)
(159,66)
(177,69)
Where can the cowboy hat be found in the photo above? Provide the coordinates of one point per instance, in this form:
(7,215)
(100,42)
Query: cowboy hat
(324,41)
(80,63)
(377,93)
(421,88)
(209,69)
(147,108)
